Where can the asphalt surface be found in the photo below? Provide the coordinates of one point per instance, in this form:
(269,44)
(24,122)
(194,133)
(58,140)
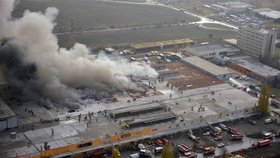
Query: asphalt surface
(242,126)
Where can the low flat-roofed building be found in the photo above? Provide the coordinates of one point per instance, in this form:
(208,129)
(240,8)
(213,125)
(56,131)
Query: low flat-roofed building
(8,118)
(271,15)
(236,6)
(109,50)
(231,41)
(211,50)
(267,13)
(208,67)
(253,69)
(161,44)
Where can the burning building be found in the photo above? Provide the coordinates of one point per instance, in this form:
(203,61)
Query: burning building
(32,61)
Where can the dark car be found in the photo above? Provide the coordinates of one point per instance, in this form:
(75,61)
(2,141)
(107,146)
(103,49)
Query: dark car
(253,122)
(277,133)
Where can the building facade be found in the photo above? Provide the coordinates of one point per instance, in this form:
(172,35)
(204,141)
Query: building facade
(207,67)
(256,42)
(8,118)
(211,50)
(253,69)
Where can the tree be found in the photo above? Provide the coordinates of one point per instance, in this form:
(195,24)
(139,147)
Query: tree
(263,102)
(116,153)
(166,152)
(176,152)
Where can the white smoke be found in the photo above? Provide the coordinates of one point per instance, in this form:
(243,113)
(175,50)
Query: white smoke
(6,8)
(59,70)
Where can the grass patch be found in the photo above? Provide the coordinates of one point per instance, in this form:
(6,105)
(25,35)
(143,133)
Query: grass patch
(270,4)
(277,52)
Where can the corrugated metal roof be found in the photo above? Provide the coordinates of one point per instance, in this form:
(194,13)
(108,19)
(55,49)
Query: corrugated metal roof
(5,110)
(206,66)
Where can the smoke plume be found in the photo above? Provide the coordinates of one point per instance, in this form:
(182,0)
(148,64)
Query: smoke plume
(31,59)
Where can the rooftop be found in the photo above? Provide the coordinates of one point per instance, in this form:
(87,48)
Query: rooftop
(206,65)
(271,14)
(161,43)
(185,76)
(236,5)
(256,67)
(210,48)
(221,102)
(231,41)
(5,110)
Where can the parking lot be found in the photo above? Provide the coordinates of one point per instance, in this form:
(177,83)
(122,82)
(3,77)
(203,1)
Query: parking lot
(242,126)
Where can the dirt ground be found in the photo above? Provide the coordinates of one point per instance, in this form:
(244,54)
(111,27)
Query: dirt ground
(265,152)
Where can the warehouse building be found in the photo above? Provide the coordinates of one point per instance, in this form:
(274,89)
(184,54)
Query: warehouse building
(208,67)
(253,69)
(210,50)
(8,118)
(161,45)
(256,42)
(267,13)
(233,6)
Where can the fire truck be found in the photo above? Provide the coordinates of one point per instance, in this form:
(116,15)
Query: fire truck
(262,143)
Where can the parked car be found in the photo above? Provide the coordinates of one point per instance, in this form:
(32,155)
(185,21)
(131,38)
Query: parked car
(223,126)
(253,122)
(220,145)
(267,121)
(219,138)
(277,133)
(206,133)
(158,150)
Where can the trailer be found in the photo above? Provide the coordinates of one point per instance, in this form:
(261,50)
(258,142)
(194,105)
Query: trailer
(236,137)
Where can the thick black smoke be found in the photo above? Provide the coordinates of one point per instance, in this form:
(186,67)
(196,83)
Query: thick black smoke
(33,61)
(17,73)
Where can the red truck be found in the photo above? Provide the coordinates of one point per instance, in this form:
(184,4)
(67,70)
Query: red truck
(275,102)
(159,142)
(262,143)
(232,130)
(183,148)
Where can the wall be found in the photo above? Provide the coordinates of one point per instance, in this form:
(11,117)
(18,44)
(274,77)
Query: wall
(3,125)
(8,123)
(12,122)
(243,70)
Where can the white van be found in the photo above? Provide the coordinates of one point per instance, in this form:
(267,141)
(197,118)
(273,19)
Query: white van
(223,126)
(136,155)
(267,121)
(158,150)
